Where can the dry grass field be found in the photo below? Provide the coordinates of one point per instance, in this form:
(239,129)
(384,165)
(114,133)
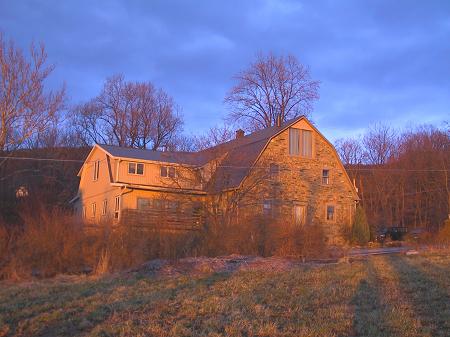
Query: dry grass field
(378,296)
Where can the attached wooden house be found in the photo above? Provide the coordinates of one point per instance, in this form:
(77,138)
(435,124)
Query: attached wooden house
(288,173)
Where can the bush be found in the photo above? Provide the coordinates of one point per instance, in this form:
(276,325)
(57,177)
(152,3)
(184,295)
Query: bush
(52,242)
(301,241)
(360,227)
(260,236)
(46,244)
(443,237)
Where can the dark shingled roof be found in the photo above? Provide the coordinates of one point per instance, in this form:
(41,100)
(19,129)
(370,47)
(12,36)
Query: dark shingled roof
(187,158)
(239,156)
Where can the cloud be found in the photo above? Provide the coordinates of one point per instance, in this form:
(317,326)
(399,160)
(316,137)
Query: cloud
(375,59)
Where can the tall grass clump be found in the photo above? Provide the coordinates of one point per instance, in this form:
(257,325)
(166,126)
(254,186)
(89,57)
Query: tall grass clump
(47,243)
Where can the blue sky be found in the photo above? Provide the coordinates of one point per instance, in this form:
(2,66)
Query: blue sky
(380,60)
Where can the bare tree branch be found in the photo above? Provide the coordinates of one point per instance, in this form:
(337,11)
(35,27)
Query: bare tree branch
(272,86)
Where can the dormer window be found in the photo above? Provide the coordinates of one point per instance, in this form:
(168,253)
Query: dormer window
(136,168)
(168,171)
(300,142)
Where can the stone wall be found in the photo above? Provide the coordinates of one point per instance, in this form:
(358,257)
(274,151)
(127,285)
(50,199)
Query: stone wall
(299,182)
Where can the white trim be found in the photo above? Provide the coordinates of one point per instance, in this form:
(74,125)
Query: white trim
(159,188)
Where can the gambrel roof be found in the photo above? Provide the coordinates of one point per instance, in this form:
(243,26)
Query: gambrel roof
(234,158)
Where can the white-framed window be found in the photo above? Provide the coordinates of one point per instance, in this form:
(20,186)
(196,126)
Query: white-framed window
(300,142)
(96,170)
(105,207)
(136,168)
(93,209)
(325,176)
(330,216)
(299,215)
(168,172)
(117,207)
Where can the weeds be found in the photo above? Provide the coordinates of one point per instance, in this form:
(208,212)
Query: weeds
(52,242)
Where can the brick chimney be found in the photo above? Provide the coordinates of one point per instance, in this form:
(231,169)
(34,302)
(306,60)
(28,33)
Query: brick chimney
(278,120)
(239,133)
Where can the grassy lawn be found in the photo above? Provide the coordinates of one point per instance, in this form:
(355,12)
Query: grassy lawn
(380,296)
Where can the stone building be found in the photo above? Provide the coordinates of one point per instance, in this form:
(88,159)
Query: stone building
(286,173)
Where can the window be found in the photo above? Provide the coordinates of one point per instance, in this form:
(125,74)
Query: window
(173,205)
(326,177)
(144,203)
(96,169)
(299,215)
(163,171)
(105,206)
(94,209)
(274,171)
(136,168)
(168,171)
(171,172)
(294,142)
(84,212)
(116,207)
(306,143)
(330,213)
(158,204)
(267,207)
(300,142)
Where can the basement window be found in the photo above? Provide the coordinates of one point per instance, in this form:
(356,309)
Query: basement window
(136,168)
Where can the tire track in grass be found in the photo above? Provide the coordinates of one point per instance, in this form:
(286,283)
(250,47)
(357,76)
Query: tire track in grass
(431,302)
(397,311)
(369,310)
(435,268)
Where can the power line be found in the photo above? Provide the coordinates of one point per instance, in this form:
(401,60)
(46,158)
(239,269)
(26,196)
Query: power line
(43,159)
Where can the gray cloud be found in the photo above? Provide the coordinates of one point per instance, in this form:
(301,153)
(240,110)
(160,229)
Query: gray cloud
(377,60)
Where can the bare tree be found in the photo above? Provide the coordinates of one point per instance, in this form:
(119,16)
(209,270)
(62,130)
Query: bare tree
(380,144)
(26,108)
(214,136)
(350,151)
(272,86)
(130,114)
